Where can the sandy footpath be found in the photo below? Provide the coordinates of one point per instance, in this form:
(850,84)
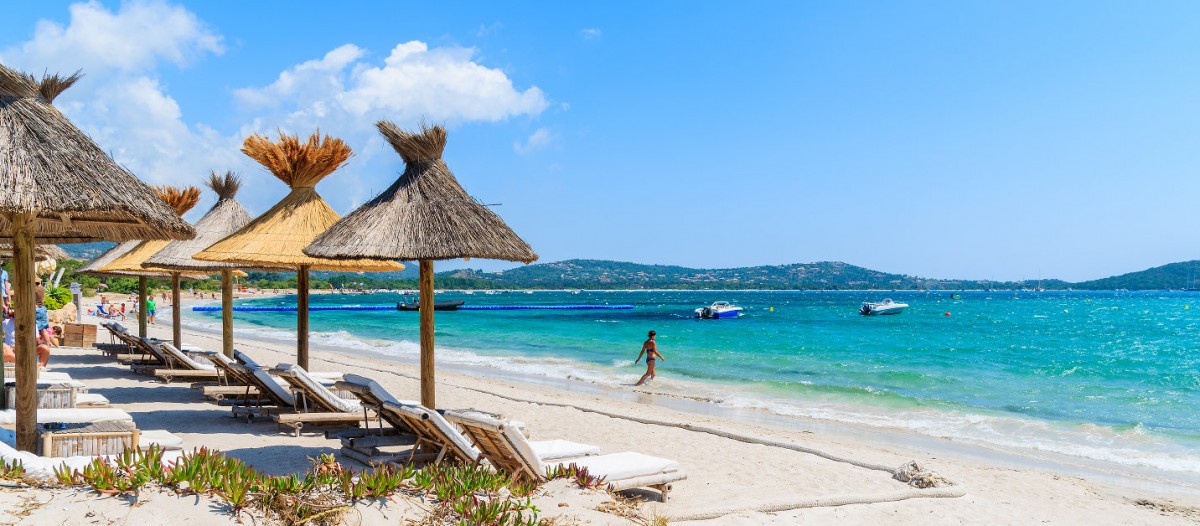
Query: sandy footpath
(723,474)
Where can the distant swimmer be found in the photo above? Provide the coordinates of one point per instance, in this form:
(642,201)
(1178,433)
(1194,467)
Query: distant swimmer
(650,349)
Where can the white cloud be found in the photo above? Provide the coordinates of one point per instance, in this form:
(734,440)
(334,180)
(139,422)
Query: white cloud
(591,33)
(414,82)
(134,38)
(536,141)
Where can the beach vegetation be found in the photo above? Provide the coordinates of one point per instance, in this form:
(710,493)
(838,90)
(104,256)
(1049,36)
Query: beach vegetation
(14,470)
(461,493)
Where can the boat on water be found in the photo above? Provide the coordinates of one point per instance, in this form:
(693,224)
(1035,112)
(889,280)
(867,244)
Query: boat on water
(437,305)
(882,308)
(719,310)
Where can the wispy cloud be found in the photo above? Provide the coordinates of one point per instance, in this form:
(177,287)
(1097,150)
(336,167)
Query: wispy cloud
(485,30)
(591,33)
(536,141)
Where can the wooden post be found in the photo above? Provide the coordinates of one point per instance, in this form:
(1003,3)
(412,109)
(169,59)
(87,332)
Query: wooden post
(25,328)
(142,317)
(227,312)
(302,317)
(176,330)
(426,306)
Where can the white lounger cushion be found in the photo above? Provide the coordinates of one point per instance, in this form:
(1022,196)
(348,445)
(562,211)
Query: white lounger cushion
(548,450)
(42,468)
(314,387)
(90,400)
(71,416)
(160,437)
(620,466)
(326,378)
(178,356)
(51,376)
(271,383)
(375,389)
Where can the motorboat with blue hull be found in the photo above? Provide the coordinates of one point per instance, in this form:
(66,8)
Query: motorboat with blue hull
(886,307)
(719,310)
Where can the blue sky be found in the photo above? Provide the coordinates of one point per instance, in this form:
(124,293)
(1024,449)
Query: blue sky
(944,139)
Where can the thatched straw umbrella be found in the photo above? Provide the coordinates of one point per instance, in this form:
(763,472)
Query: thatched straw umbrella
(181,200)
(425,215)
(277,237)
(59,186)
(42,251)
(224,218)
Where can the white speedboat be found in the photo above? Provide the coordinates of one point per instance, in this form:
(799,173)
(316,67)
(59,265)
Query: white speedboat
(882,308)
(719,310)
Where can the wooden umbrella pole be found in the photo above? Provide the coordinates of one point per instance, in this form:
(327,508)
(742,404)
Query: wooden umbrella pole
(426,306)
(227,312)
(176,330)
(302,317)
(142,306)
(26,338)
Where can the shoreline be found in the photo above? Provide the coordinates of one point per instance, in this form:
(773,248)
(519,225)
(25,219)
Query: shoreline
(1138,477)
(725,474)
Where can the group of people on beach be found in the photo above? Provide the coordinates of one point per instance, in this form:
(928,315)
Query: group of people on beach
(45,336)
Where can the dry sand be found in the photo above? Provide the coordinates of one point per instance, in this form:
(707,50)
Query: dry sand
(723,474)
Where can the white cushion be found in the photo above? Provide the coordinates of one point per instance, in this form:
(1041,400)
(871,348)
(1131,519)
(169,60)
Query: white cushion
(547,450)
(160,437)
(90,400)
(626,465)
(178,356)
(70,416)
(313,388)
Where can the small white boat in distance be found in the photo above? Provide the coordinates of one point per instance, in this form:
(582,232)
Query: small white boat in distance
(882,308)
(719,310)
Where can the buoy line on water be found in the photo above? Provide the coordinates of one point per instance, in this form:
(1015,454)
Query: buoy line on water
(910,473)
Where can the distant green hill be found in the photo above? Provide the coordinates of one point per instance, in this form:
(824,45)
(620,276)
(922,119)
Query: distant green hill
(602,274)
(1182,275)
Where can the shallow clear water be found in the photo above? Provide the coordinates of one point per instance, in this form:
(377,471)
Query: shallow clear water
(1102,375)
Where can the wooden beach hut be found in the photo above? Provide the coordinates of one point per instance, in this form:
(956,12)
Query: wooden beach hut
(277,237)
(181,200)
(224,218)
(58,186)
(425,216)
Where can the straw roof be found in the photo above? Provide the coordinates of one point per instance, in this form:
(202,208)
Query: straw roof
(93,267)
(425,214)
(224,218)
(46,251)
(180,200)
(277,237)
(53,170)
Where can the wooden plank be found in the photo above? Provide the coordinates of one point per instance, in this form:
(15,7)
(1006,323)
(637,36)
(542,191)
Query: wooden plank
(142,316)
(288,418)
(426,315)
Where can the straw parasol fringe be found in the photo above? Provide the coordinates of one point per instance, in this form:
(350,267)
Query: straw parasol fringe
(42,251)
(179,199)
(54,173)
(425,214)
(52,85)
(298,164)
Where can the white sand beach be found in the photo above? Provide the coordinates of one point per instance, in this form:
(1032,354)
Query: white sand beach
(727,478)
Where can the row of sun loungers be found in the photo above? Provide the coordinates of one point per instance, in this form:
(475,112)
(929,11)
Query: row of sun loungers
(294,398)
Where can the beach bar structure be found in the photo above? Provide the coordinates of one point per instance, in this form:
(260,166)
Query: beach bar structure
(277,237)
(424,216)
(225,217)
(181,200)
(58,186)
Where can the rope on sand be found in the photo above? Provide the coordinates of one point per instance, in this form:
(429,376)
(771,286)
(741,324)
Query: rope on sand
(910,473)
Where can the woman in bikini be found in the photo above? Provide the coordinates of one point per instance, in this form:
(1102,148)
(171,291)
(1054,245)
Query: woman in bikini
(650,349)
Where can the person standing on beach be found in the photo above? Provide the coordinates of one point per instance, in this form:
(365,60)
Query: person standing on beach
(650,349)
(151,308)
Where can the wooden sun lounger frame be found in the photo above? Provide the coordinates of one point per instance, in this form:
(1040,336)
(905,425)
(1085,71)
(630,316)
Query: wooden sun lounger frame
(495,446)
(322,413)
(179,369)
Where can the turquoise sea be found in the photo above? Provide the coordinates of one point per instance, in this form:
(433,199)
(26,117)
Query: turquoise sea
(1099,376)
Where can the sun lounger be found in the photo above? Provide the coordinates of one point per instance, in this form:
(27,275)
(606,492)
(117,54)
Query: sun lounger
(509,450)
(180,365)
(54,392)
(313,403)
